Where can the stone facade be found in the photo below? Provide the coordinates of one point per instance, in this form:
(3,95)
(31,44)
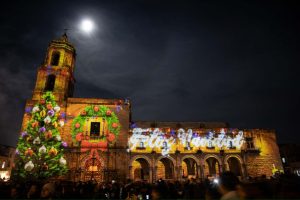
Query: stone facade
(7,155)
(258,155)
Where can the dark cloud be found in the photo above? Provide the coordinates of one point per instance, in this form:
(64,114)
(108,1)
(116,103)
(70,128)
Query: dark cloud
(236,62)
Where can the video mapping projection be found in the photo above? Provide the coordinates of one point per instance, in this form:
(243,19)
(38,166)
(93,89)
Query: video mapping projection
(170,141)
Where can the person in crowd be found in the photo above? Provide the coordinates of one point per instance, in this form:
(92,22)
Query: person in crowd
(14,193)
(48,191)
(227,186)
(33,192)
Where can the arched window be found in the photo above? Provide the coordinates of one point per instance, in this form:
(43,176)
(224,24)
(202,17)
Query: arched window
(50,83)
(55,58)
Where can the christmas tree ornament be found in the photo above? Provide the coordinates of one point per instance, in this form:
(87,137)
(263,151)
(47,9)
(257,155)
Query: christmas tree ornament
(29,138)
(29,166)
(45,167)
(62,161)
(49,106)
(47,120)
(50,113)
(34,124)
(52,151)
(29,152)
(42,149)
(56,108)
(54,124)
(58,138)
(35,109)
(61,123)
(48,135)
(42,129)
(23,134)
(64,144)
(42,101)
(43,113)
(37,140)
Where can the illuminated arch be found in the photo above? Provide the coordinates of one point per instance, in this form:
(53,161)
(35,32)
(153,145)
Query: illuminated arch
(212,165)
(214,156)
(188,168)
(87,168)
(165,167)
(55,57)
(140,168)
(197,160)
(240,163)
(235,156)
(141,156)
(168,157)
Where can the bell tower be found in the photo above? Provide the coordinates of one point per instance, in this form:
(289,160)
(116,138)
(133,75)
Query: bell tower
(56,72)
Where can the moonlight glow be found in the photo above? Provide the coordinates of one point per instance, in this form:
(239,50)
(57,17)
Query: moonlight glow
(87,25)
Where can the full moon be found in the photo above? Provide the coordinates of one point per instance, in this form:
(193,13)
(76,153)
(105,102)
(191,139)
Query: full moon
(87,25)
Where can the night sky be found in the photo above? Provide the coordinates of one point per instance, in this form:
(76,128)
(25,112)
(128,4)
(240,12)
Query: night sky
(229,61)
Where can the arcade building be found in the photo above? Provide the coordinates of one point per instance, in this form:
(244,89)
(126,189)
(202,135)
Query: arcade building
(105,144)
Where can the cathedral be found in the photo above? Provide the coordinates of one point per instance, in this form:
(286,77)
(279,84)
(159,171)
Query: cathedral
(104,144)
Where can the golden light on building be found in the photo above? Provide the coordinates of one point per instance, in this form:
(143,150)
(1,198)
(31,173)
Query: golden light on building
(101,137)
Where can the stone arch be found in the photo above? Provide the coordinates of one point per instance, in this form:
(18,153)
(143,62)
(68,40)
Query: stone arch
(212,165)
(50,82)
(91,168)
(190,166)
(236,156)
(140,168)
(165,167)
(214,156)
(141,156)
(235,165)
(55,57)
(169,157)
(193,157)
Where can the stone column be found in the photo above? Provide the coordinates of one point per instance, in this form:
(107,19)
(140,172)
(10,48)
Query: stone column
(176,173)
(151,175)
(154,174)
(129,172)
(202,172)
(198,171)
(221,168)
(180,173)
(244,171)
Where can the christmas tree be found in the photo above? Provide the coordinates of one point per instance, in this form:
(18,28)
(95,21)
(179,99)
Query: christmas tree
(39,153)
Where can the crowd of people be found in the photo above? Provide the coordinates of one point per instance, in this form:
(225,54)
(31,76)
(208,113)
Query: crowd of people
(226,187)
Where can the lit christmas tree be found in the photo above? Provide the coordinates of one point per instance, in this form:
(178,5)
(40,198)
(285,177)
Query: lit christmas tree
(39,153)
